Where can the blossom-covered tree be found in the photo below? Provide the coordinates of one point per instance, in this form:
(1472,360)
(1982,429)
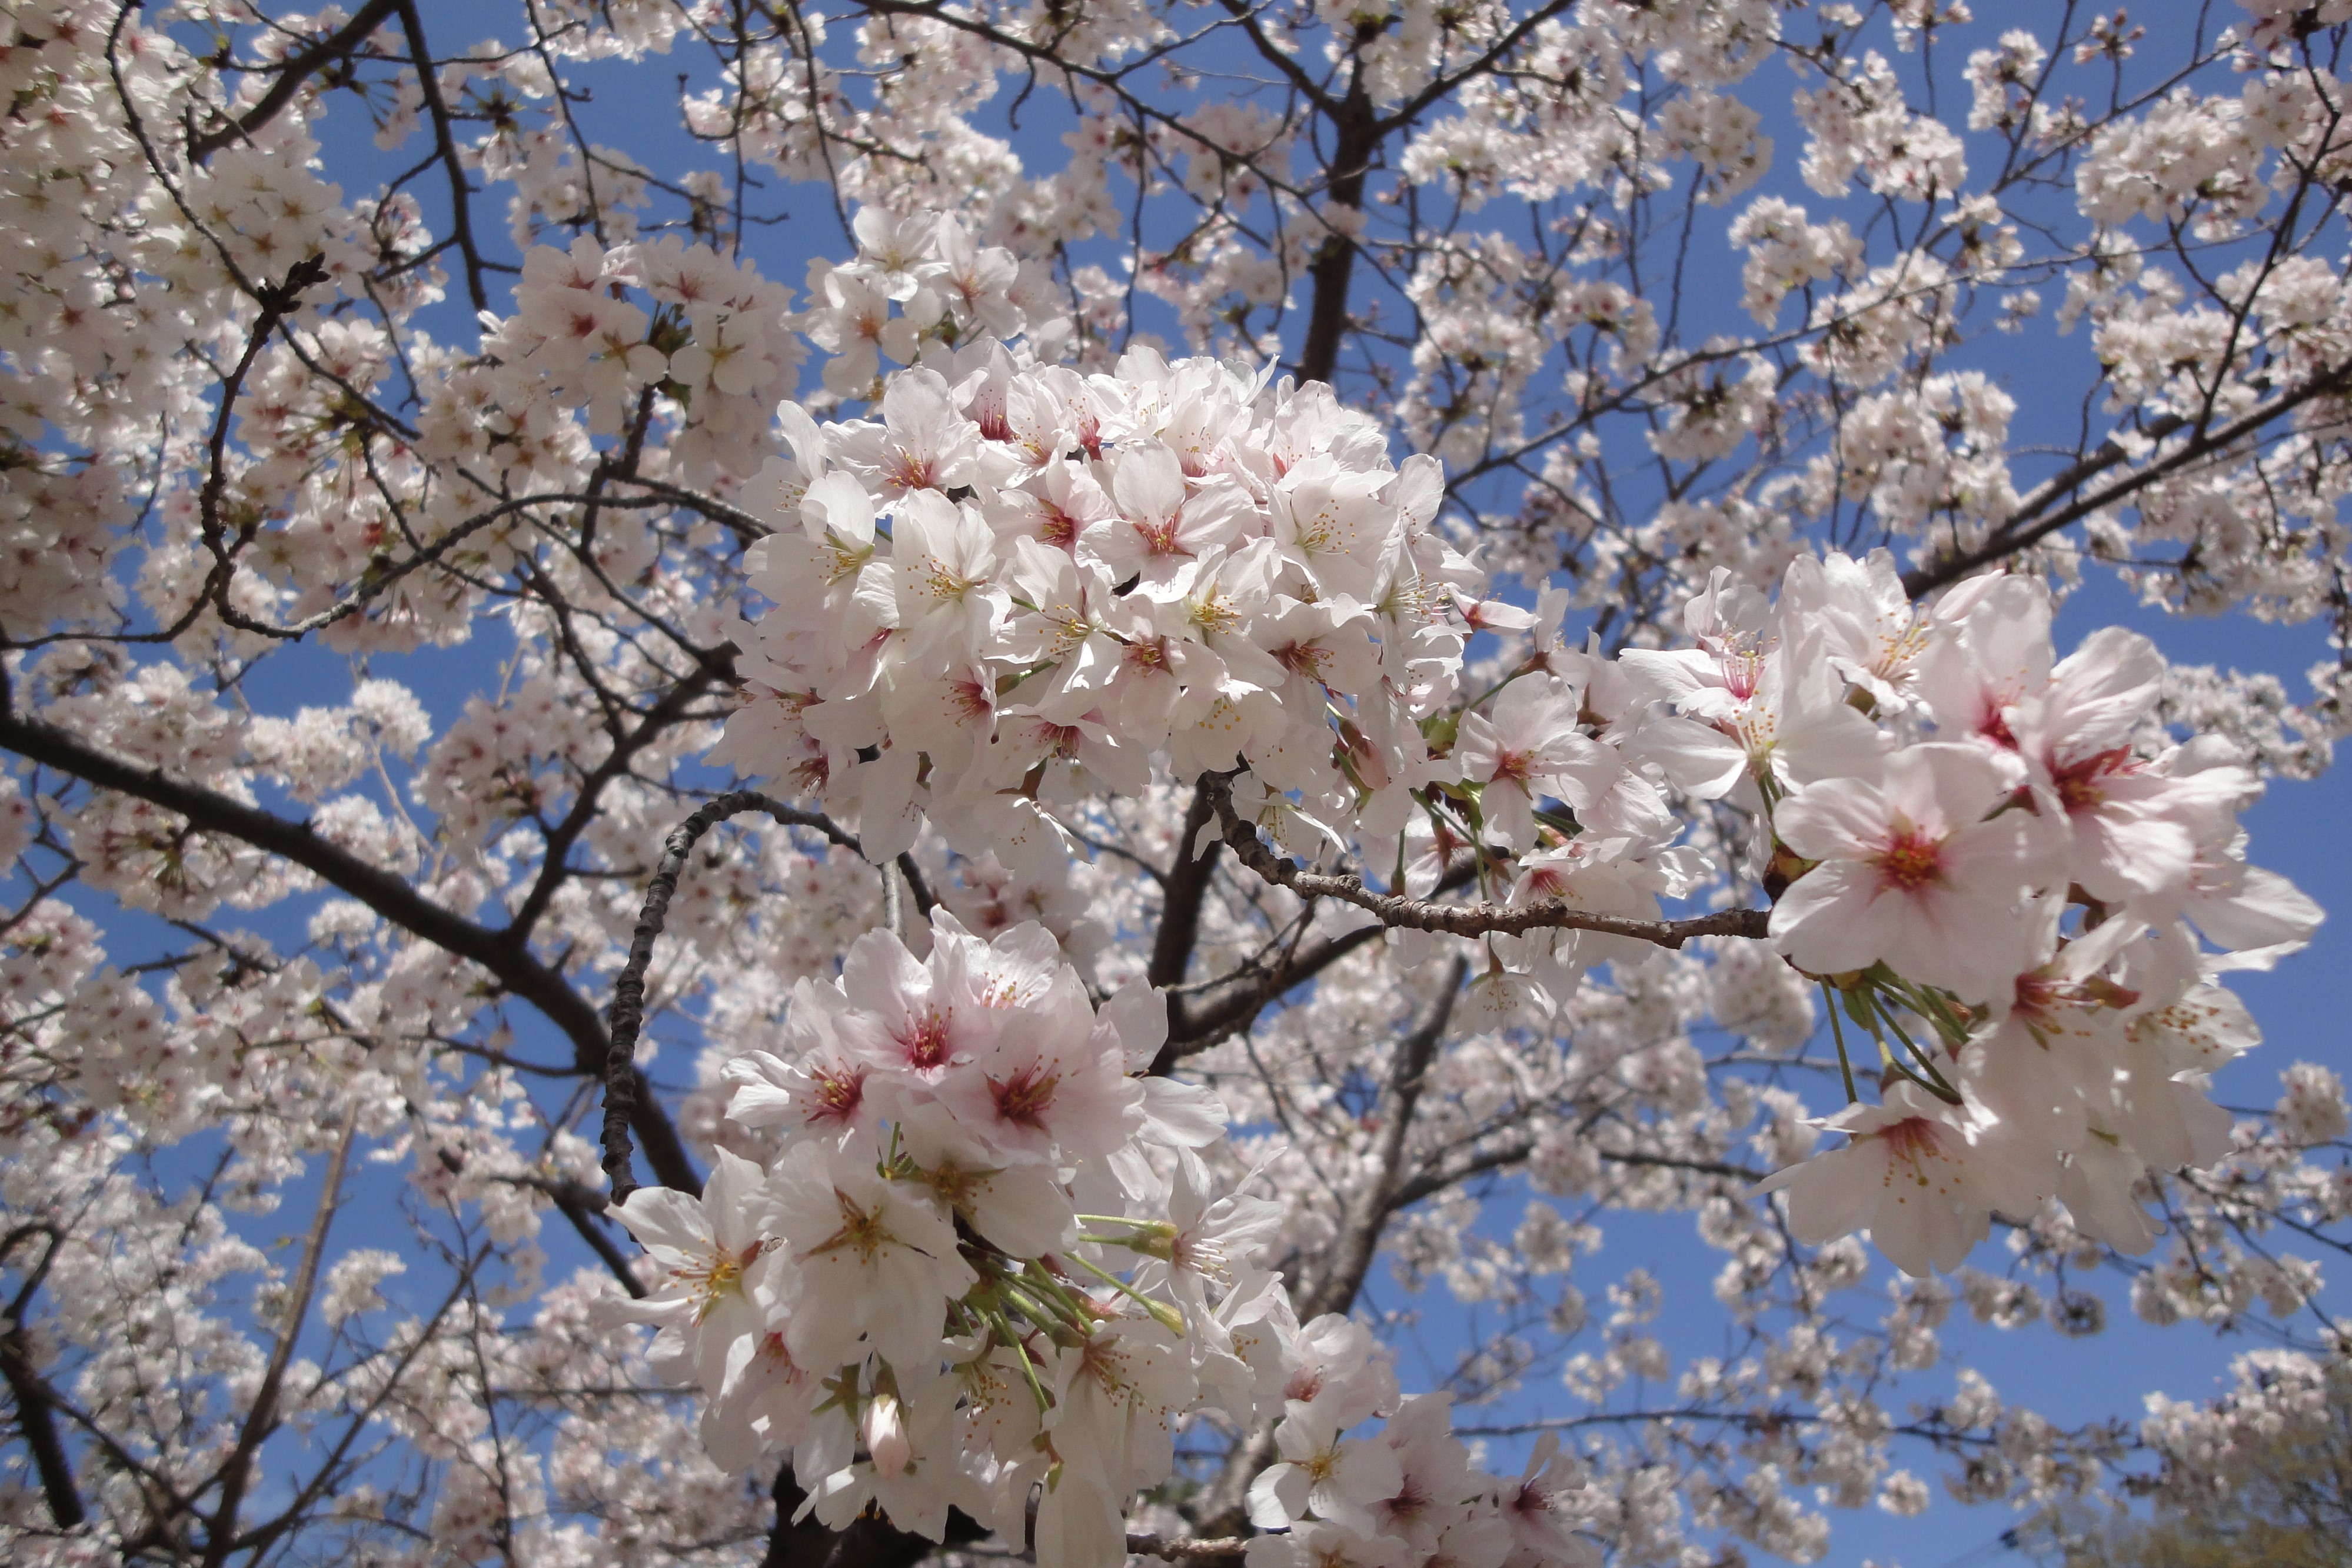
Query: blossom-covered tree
(1320,634)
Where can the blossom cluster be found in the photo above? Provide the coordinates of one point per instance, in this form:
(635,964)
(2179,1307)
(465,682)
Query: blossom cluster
(983,1258)
(1644,342)
(2007,878)
(1021,588)
(1970,843)
(715,344)
(1019,584)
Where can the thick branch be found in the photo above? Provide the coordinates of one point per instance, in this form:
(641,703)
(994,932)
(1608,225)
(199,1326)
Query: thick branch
(794,1543)
(512,965)
(1186,1549)
(622,1081)
(36,1407)
(293,74)
(1333,268)
(1462,919)
(1182,889)
(870,1541)
(461,217)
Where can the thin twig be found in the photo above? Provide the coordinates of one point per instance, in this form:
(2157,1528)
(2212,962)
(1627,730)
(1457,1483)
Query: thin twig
(1462,919)
(262,1420)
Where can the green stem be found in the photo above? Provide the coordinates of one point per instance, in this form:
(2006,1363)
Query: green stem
(1939,1012)
(1034,1277)
(1028,1371)
(1837,1032)
(1163,1314)
(1941,1088)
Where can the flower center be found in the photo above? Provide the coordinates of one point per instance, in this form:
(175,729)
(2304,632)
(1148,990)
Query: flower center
(1160,538)
(715,1274)
(861,1233)
(1306,659)
(1743,667)
(942,582)
(1910,861)
(1913,1143)
(909,471)
(1024,1098)
(926,1044)
(838,1093)
(2081,787)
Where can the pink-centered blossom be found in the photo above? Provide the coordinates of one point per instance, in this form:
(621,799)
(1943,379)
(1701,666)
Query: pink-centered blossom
(1924,1178)
(1922,870)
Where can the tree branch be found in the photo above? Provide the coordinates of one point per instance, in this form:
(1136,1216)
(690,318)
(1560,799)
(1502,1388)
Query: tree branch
(2021,528)
(292,74)
(1182,887)
(1350,1257)
(1225,1009)
(1186,1549)
(461,218)
(262,1420)
(622,1080)
(1333,268)
(1462,919)
(510,963)
(657,720)
(36,1406)
(1197,1023)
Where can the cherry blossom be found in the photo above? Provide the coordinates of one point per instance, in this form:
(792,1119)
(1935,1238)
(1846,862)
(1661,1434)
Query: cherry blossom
(1368,641)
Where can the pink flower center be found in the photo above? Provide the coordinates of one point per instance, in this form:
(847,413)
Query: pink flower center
(1911,1140)
(926,1044)
(1529,1499)
(714,1274)
(1306,659)
(1025,1097)
(1743,667)
(969,700)
(907,470)
(2036,995)
(1910,861)
(1160,538)
(2080,785)
(839,1093)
